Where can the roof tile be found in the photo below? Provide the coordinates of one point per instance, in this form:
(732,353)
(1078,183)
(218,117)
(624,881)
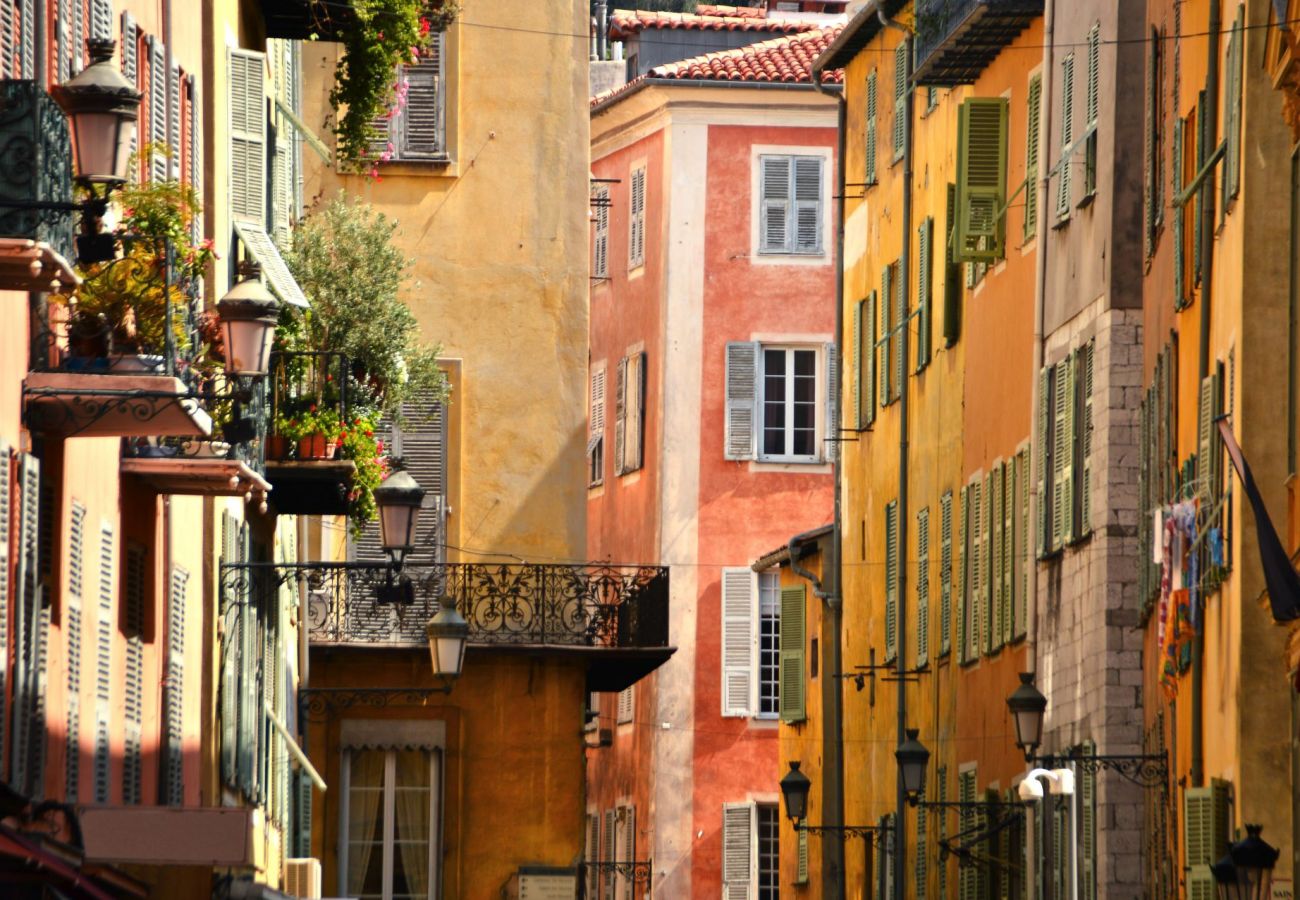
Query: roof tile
(625,22)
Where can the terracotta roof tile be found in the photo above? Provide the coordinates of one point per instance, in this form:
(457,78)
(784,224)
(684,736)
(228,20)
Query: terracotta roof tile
(625,22)
(783,60)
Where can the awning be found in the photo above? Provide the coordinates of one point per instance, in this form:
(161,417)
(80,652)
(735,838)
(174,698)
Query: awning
(278,277)
(26,860)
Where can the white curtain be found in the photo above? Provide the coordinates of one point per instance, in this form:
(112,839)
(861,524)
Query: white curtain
(411,817)
(365,830)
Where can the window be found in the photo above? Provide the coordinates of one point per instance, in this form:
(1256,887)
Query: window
(1064,435)
(769,859)
(891,581)
(871,124)
(600,247)
(636,219)
(900,98)
(629,414)
(923,586)
(981,179)
(1034,106)
(970,545)
(391,810)
(751,643)
(1063,193)
(625,707)
(780,401)
(596,429)
(864,362)
(893,312)
(750,850)
(794,634)
(791,207)
(1090,108)
(924,291)
(625,847)
(416,131)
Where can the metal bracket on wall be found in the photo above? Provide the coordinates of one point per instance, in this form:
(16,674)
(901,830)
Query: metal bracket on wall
(1148,770)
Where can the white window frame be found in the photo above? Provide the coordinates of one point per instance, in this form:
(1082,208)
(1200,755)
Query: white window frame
(428,737)
(756,869)
(819,390)
(759,256)
(772,579)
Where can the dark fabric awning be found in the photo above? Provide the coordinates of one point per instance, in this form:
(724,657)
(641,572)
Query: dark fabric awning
(25,861)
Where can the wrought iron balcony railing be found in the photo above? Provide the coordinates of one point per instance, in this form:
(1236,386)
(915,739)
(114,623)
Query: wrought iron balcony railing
(957,39)
(552,605)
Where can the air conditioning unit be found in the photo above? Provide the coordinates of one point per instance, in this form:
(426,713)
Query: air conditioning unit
(302,878)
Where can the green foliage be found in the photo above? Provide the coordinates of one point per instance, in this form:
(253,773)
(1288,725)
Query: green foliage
(344,258)
(387,33)
(360,445)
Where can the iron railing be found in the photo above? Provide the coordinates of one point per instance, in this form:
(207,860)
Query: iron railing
(302,383)
(559,605)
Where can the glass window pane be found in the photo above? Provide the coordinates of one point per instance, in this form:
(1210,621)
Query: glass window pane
(774,363)
(769,885)
(804,443)
(366,870)
(805,363)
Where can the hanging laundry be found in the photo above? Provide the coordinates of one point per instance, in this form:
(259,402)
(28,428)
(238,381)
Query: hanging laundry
(1158,535)
(1215,539)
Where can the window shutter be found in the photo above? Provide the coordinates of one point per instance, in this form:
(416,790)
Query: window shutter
(807,223)
(195,151)
(742,399)
(1086,353)
(997,556)
(968,876)
(871,127)
(101,19)
(923,292)
(620,417)
(1205,435)
(801,858)
(592,855)
(247,136)
(1024,557)
(230,642)
(420,132)
(737,859)
(134,603)
(896,340)
(1063,194)
(627,851)
(1231,181)
(900,98)
(738,604)
(1180,215)
(945,573)
(26,597)
(987,605)
(922,857)
(891,580)
(250,695)
(793,642)
(941,794)
(636,243)
(7,507)
(775,210)
(1042,423)
(600,253)
(975,552)
(1094,53)
(174,688)
(855,342)
(963,572)
(1205,837)
(923,586)
(104,662)
(1087,786)
(886,334)
(8,41)
(981,179)
(625,709)
(76,592)
(611,820)
(1149,147)
(1070,448)
(1034,105)
(159,122)
(832,439)
(129,38)
(867,410)
(952,285)
(634,450)
(1060,487)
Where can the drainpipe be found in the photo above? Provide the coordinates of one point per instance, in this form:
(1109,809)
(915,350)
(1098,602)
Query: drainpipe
(903,328)
(1203,356)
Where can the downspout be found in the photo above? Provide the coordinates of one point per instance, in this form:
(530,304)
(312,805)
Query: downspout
(903,328)
(833,875)
(1208,127)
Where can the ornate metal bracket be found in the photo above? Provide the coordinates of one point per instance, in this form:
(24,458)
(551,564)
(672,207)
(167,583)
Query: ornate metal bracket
(866,832)
(72,411)
(318,702)
(640,871)
(1147,770)
(965,805)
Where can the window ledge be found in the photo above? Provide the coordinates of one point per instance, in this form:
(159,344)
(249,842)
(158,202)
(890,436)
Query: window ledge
(811,467)
(1061,221)
(1086,200)
(428,168)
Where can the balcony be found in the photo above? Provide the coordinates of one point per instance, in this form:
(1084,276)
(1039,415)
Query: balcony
(614,617)
(307,477)
(957,39)
(307,20)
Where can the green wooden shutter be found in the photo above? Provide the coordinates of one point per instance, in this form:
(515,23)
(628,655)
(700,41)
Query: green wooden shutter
(891,580)
(886,335)
(1180,215)
(1063,193)
(1090,148)
(997,558)
(952,285)
(867,411)
(871,127)
(302,815)
(855,343)
(1231,180)
(1205,835)
(900,98)
(896,340)
(1006,475)
(1207,442)
(1149,146)
(975,553)
(989,584)
(967,876)
(941,794)
(922,857)
(792,661)
(945,573)
(1034,104)
(1023,553)
(1087,787)
(923,586)
(1084,467)
(1042,439)
(801,865)
(924,285)
(981,179)
(1061,407)
(620,417)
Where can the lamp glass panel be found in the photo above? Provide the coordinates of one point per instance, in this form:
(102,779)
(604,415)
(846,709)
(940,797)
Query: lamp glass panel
(447,655)
(395,521)
(103,144)
(248,345)
(1029,727)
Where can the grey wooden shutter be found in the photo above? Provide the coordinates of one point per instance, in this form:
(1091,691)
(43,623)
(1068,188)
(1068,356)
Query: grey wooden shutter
(871,125)
(133,707)
(174,690)
(831,440)
(627,851)
(196,152)
(101,19)
(1084,469)
(1060,454)
(774,235)
(596,427)
(1042,459)
(923,586)
(157,111)
(104,662)
(420,127)
(1007,493)
(620,417)
(891,580)
(738,605)
(610,854)
(1231,181)
(27,18)
(1063,194)
(900,98)
(989,583)
(250,692)
(61,23)
(737,853)
(8,41)
(1021,546)
(247,136)
(590,856)
(302,803)
(924,284)
(600,251)
(963,571)
(792,657)
(27,605)
(129,38)
(636,234)
(740,439)
(855,363)
(996,558)
(807,224)
(76,591)
(801,858)
(975,555)
(922,857)
(945,573)
(896,339)
(636,413)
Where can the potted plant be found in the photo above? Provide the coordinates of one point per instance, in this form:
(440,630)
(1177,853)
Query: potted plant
(319,432)
(359,444)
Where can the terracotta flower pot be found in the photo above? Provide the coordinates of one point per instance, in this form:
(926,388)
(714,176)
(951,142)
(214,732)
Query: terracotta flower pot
(277,447)
(316,446)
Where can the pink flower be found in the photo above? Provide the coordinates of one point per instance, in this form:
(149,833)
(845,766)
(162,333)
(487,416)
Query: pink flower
(424,27)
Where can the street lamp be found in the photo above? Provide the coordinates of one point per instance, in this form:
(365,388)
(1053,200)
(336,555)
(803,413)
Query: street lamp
(913,758)
(795,787)
(398,498)
(248,318)
(1028,705)
(448,631)
(102,109)
(1246,873)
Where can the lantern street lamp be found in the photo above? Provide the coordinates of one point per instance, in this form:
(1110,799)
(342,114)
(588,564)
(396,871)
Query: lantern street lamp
(248,317)
(913,758)
(448,631)
(102,109)
(795,787)
(1246,873)
(398,498)
(1028,706)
